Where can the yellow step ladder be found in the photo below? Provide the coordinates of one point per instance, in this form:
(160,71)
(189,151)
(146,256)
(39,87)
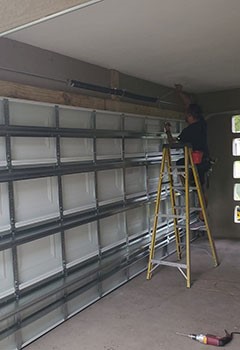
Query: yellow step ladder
(167,168)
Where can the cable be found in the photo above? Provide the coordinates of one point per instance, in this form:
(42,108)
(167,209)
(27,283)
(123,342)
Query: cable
(33,75)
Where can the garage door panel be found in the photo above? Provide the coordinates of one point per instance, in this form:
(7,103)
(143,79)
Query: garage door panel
(3,161)
(138,244)
(33,150)
(82,276)
(110,186)
(113,268)
(76,149)
(134,123)
(154,125)
(30,308)
(4,207)
(75,118)
(137,221)
(153,147)
(109,148)
(41,325)
(36,200)
(135,181)
(31,114)
(112,230)
(153,172)
(81,243)
(39,259)
(1,112)
(8,343)
(134,148)
(78,192)
(6,273)
(106,120)
(84,299)
(138,266)
(114,281)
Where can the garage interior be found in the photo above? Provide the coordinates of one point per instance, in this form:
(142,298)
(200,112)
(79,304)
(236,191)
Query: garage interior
(85,90)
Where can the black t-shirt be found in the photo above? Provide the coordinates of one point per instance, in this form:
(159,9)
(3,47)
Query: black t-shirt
(196,135)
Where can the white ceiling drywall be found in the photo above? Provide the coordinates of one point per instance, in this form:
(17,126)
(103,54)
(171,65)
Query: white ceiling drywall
(15,13)
(193,42)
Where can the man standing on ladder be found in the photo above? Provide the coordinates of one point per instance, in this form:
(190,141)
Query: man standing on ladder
(195,134)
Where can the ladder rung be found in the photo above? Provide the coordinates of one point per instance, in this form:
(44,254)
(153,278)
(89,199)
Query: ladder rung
(169,263)
(181,225)
(171,216)
(180,167)
(178,187)
(177,167)
(191,208)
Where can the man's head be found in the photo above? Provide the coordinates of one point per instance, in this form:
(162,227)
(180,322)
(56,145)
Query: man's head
(194,113)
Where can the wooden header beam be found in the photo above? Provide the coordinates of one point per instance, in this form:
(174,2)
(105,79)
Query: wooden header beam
(28,92)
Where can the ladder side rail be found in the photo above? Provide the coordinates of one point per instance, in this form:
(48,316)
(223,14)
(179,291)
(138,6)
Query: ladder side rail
(187,213)
(156,215)
(173,203)
(203,207)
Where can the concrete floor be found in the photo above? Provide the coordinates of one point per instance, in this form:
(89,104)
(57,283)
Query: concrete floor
(147,314)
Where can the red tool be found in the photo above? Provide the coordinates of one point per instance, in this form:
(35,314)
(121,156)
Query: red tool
(210,339)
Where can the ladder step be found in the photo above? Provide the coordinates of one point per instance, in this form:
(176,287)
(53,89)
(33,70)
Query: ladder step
(191,208)
(180,167)
(178,187)
(178,216)
(181,188)
(171,216)
(169,263)
(176,173)
(181,225)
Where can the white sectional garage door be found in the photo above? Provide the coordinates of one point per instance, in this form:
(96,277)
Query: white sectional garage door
(77,190)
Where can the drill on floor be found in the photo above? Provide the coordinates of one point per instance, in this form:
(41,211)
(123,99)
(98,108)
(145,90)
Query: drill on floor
(210,339)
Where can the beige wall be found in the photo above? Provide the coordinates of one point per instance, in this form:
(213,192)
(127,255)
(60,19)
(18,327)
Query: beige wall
(220,194)
(220,101)
(219,107)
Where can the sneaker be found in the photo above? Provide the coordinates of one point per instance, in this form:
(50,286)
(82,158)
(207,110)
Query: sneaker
(197,225)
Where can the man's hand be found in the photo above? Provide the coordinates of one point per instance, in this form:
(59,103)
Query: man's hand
(185,98)
(179,88)
(167,127)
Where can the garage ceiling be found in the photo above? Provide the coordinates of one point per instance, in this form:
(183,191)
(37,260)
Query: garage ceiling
(192,42)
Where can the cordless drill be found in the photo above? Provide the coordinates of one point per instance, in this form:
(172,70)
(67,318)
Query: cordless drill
(210,339)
